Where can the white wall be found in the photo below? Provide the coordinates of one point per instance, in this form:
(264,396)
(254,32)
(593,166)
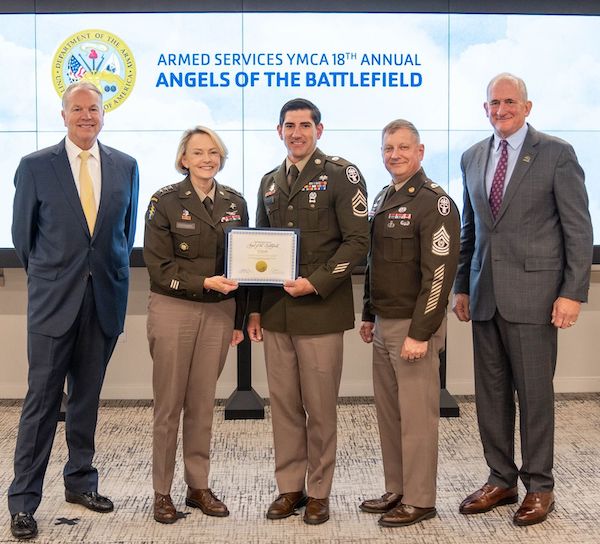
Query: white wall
(130,370)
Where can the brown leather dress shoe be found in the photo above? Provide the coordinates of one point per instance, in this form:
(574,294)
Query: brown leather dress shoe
(286,504)
(381,505)
(535,508)
(404,514)
(164,511)
(487,498)
(317,511)
(207,502)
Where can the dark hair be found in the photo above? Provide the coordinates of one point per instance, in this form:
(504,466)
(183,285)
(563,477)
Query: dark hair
(300,104)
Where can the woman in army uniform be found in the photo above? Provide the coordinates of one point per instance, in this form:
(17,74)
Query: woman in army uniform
(194,314)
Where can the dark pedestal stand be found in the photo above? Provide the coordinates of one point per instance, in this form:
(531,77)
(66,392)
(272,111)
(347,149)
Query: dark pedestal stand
(448,406)
(244,402)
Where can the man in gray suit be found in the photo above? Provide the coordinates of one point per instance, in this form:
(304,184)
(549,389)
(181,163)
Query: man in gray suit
(524,270)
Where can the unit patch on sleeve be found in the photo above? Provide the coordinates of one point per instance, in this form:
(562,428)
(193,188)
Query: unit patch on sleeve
(443,205)
(352,174)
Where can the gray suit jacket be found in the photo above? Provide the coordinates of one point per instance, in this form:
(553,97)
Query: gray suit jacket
(540,245)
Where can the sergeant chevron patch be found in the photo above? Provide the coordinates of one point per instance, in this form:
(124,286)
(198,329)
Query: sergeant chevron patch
(440,245)
(360,207)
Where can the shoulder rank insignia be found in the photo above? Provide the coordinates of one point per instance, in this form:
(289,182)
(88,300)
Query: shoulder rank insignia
(360,207)
(440,244)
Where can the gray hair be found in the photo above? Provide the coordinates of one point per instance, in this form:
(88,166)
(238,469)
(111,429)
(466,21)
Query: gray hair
(398,124)
(81,84)
(506,76)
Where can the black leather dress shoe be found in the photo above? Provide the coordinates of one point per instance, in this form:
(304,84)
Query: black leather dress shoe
(23,526)
(91,500)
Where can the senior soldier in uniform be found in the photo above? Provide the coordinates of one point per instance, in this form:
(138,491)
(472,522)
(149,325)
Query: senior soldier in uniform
(414,252)
(325,197)
(194,314)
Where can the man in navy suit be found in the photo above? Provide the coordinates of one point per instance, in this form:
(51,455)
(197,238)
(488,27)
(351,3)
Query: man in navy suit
(73,228)
(524,270)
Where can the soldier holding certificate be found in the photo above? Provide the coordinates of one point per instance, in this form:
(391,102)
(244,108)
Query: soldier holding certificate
(302,324)
(194,315)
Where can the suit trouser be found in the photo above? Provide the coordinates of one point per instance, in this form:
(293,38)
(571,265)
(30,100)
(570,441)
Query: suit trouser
(81,356)
(521,357)
(189,342)
(407,398)
(303,373)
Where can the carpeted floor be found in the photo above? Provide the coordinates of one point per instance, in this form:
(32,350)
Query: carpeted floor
(242,475)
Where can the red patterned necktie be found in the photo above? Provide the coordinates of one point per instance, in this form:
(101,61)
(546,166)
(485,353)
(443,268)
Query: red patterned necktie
(498,181)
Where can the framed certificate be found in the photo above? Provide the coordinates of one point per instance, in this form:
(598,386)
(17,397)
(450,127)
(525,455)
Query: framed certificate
(262,256)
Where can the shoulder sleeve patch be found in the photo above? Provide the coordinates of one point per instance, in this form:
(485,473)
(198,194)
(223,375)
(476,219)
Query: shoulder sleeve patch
(352,174)
(443,205)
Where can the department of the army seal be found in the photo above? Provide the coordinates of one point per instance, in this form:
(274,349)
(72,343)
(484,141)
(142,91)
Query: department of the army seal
(99,57)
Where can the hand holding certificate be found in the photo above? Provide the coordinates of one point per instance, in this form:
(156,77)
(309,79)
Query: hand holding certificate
(261,256)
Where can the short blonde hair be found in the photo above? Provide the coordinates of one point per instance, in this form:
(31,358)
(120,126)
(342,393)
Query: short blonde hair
(185,138)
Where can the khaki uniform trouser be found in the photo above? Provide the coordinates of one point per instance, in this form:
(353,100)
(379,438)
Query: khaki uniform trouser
(304,372)
(189,342)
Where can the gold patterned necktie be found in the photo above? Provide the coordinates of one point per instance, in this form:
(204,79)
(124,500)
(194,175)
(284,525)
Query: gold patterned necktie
(86,191)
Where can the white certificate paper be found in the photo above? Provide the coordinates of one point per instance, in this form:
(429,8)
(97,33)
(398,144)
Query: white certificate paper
(262,256)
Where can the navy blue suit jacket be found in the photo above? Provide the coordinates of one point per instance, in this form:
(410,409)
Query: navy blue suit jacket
(53,241)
